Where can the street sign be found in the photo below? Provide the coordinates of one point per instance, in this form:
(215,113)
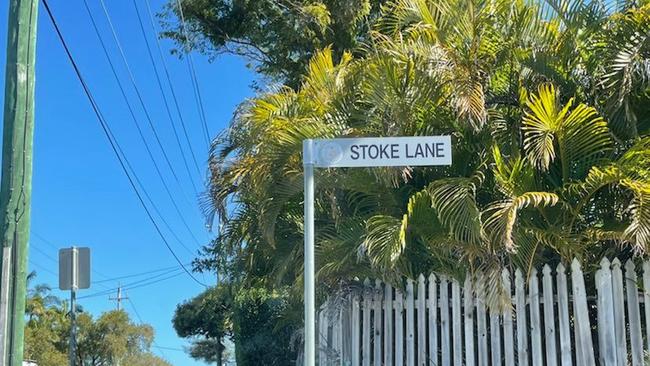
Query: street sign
(382,151)
(355,152)
(74,268)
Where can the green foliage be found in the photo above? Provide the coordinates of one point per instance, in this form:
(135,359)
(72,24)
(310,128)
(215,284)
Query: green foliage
(278,37)
(255,318)
(103,341)
(206,320)
(546,166)
(260,336)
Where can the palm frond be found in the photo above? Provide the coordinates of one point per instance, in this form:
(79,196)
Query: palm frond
(384,242)
(501,216)
(578,135)
(455,203)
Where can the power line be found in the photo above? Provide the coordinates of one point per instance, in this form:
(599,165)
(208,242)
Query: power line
(160,87)
(195,82)
(134,285)
(114,145)
(141,134)
(137,89)
(45,269)
(53,246)
(169,82)
(139,283)
(137,274)
(44,253)
(41,238)
(169,348)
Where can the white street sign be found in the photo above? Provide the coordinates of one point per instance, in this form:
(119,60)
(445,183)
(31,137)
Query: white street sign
(355,152)
(382,151)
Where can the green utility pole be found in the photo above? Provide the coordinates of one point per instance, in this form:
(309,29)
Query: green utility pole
(16,184)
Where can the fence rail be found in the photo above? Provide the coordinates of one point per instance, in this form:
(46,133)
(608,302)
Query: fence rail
(439,321)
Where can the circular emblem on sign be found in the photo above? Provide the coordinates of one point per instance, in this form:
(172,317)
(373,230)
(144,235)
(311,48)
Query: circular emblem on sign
(330,153)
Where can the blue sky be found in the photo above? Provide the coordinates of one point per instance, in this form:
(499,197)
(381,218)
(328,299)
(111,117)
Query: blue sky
(80,195)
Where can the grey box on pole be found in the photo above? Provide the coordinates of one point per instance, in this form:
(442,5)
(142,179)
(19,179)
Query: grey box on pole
(74,268)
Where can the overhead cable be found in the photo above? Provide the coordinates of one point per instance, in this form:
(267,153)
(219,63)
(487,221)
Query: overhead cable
(114,145)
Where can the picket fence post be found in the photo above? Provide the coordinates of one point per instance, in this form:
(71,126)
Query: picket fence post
(522,329)
(549,318)
(508,332)
(634,318)
(581,315)
(399,328)
(421,324)
(377,326)
(469,321)
(432,302)
(606,336)
(444,322)
(563,315)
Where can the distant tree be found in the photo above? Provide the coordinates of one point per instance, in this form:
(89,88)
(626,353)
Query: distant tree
(206,320)
(145,359)
(110,338)
(278,37)
(45,327)
(101,342)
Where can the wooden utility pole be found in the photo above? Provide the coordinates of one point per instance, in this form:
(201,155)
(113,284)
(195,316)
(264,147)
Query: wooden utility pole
(16,184)
(118,299)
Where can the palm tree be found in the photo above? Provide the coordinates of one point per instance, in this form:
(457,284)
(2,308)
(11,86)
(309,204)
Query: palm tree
(547,108)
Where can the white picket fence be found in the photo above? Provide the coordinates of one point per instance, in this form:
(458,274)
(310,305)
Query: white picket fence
(439,321)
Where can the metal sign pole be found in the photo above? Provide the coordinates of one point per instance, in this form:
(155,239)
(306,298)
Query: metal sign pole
(310,293)
(356,152)
(73,310)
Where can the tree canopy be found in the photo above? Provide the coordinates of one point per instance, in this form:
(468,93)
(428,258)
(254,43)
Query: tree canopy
(206,319)
(546,104)
(102,341)
(277,37)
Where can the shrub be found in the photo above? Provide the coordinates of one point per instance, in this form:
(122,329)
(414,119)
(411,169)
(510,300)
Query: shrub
(261,336)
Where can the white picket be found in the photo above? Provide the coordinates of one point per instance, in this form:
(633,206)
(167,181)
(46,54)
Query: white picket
(646,300)
(429,326)
(445,335)
(634,317)
(366,328)
(549,317)
(346,332)
(322,336)
(388,324)
(480,323)
(535,321)
(356,331)
(377,326)
(433,320)
(605,305)
(619,312)
(495,338)
(563,315)
(508,330)
(522,329)
(456,321)
(581,314)
(469,321)
(399,328)
(337,342)
(340,334)
(410,326)
(421,323)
